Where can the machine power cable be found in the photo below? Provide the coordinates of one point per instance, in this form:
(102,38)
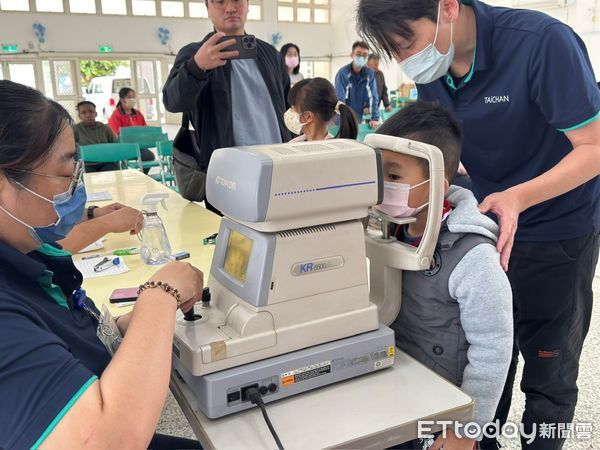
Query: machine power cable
(256,399)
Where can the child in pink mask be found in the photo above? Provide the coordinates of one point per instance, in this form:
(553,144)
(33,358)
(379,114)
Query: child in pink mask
(456,317)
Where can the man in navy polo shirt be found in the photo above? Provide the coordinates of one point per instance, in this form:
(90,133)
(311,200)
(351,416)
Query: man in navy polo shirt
(522,85)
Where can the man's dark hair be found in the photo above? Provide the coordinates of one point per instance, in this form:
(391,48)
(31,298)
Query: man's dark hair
(30,124)
(361,44)
(431,124)
(374,57)
(378,20)
(284,51)
(85,102)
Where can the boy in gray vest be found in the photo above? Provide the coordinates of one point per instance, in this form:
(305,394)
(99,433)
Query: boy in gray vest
(456,317)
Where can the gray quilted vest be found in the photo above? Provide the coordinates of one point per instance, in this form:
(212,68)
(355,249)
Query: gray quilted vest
(428,326)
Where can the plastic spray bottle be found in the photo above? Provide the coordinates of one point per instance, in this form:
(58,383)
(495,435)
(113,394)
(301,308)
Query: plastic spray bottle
(155,248)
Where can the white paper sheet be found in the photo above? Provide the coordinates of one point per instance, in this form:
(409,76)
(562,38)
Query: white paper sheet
(98,245)
(86,267)
(99,196)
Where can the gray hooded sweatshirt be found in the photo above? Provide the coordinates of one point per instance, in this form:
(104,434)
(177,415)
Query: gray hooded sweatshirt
(456,317)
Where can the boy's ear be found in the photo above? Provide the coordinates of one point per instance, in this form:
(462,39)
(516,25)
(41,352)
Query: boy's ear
(446,186)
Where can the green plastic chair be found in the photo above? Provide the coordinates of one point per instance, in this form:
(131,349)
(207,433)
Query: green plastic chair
(363,130)
(386,115)
(115,152)
(333,130)
(165,159)
(146,137)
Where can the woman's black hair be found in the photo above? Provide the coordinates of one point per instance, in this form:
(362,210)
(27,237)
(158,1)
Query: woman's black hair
(30,124)
(122,94)
(284,51)
(318,96)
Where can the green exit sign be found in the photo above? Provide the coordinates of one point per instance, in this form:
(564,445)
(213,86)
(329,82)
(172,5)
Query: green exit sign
(9,48)
(105,48)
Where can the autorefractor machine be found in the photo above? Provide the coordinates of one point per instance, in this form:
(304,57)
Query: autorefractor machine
(289,307)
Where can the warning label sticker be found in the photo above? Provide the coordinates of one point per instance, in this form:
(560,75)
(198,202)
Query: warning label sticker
(305,373)
(387,362)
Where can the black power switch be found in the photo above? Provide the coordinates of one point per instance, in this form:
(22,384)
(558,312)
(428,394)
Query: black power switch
(233,396)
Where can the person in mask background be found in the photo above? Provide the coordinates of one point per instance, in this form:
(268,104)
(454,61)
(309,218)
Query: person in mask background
(356,84)
(533,156)
(58,384)
(456,317)
(125,115)
(291,56)
(314,107)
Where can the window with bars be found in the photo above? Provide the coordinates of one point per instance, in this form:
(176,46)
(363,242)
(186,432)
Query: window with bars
(303,11)
(162,8)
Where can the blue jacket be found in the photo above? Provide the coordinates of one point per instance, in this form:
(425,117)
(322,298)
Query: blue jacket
(359,91)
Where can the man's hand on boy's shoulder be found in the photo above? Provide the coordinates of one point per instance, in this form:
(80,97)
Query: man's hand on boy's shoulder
(507,206)
(452,442)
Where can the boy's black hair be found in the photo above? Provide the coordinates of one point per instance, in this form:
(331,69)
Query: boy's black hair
(284,51)
(85,102)
(374,57)
(431,124)
(377,20)
(361,44)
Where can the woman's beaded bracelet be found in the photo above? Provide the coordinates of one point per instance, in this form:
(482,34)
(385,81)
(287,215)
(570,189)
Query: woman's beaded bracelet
(164,286)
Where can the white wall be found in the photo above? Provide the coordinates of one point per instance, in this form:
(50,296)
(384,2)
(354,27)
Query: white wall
(82,33)
(344,29)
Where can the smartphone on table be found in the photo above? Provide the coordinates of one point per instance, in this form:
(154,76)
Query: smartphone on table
(124,295)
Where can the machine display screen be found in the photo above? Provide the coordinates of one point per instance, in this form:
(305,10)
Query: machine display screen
(237,256)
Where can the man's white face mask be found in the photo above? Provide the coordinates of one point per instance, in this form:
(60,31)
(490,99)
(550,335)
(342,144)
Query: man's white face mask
(429,64)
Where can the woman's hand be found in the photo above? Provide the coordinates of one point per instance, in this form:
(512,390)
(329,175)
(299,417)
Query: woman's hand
(184,277)
(104,210)
(123,219)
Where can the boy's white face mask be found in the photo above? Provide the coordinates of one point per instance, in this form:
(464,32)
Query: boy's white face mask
(395,200)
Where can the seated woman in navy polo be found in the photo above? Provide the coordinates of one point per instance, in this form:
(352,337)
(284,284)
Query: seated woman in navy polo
(59,387)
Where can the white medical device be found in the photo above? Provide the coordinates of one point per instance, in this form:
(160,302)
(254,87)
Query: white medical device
(290,307)
(387,256)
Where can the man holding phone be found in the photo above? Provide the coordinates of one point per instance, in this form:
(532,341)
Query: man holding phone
(233,90)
